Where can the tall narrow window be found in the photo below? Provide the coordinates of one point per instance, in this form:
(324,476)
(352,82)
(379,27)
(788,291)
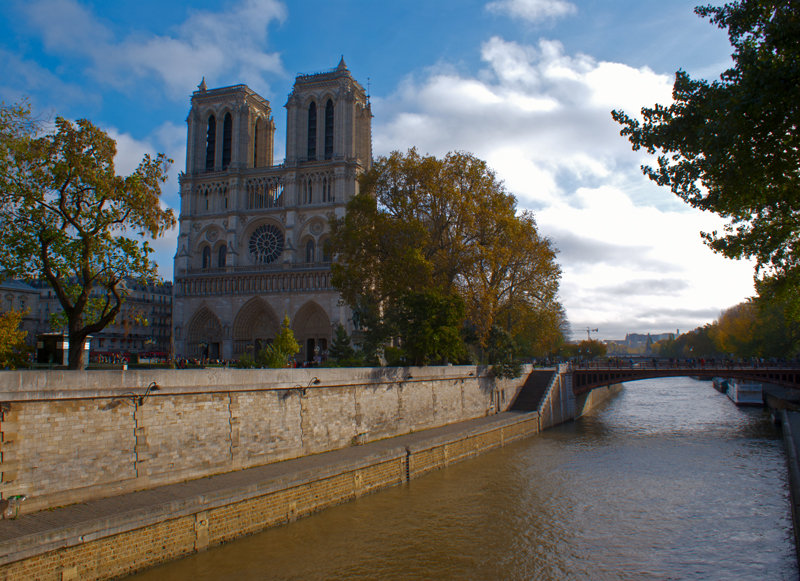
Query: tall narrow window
(326,251)
(327,190)
(223,255)
(329,129)
(206,257)
(312,131)
(227,139)
(211,143)
(310,251)
(255,145)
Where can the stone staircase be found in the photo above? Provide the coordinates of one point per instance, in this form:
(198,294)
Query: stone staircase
(533,390)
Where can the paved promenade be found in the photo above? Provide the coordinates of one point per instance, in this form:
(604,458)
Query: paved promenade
(79,523)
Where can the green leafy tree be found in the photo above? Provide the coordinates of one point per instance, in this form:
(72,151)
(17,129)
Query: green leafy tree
(341,352)
(67,217)
(429,326)
(422,224)
(732,146)
(13,349)
(501,351)
(276,354)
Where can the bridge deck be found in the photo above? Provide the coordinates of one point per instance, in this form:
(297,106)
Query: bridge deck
(589,376)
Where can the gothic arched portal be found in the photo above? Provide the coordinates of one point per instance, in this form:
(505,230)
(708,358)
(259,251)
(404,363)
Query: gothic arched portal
(204,336)
(255,326)
(312,329)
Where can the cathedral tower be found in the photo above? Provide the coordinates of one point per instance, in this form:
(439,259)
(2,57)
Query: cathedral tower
(252,243)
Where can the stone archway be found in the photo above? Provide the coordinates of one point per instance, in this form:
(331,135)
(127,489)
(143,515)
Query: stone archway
(204,335)
(312,329)
(255,326)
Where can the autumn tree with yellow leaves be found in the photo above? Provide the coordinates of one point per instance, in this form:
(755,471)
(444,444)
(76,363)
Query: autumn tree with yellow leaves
(423,229)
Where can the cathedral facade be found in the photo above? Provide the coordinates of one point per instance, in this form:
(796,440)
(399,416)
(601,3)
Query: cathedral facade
(253,235)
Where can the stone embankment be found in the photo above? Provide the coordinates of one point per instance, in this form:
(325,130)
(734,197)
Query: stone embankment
(214,455)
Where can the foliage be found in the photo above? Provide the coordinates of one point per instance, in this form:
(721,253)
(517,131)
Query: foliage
(586,350)
(592,349)
(67,217)
(732,146)
(429,325)
(694,344)
(758,327)
(276,354)
(537,331)
(341,352)
(13,350)
(246,361)
(445,226)
(501,350)
(734,330)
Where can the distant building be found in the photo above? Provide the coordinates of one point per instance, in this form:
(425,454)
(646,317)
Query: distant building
(143,325)
(637,343)
(19,296)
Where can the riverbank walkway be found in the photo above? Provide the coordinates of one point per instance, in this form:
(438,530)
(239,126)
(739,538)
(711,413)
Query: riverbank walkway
(49,530)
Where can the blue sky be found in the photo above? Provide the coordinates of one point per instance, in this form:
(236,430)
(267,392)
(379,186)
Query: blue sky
(525,84)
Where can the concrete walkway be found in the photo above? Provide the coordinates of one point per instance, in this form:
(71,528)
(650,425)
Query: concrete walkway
(53,529)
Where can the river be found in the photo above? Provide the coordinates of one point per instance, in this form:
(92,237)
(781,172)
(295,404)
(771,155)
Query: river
(668,480)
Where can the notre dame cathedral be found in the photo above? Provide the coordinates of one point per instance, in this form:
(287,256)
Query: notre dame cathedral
(253,239)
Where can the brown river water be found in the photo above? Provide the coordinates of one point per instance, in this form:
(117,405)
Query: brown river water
(668,480)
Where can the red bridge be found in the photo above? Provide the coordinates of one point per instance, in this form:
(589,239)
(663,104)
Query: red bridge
(588,376)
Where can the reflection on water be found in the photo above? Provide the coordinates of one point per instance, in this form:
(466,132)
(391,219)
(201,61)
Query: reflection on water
(669,480)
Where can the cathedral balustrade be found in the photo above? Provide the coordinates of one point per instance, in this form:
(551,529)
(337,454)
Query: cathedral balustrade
(306,280)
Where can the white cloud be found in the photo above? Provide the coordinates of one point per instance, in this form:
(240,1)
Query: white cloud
(229,44)
(533,10)
(632,256)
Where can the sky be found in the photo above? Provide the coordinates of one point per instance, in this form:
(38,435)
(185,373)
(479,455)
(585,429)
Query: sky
(527,85)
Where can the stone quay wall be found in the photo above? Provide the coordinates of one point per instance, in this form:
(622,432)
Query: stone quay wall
(73,436)
(132,540)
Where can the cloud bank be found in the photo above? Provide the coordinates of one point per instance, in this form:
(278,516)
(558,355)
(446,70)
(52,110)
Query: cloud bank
(631,253)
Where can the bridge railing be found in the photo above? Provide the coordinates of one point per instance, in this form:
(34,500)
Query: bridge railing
(681,364)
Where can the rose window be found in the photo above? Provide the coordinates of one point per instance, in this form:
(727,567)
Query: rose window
(266,244)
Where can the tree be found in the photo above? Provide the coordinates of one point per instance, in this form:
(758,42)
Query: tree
(537,331)
(429,324)
(67,217)
(592,349)
(447,226)
(13,350)
(276,355)
(734,330)
(341,352)
(732,146)
(501,352)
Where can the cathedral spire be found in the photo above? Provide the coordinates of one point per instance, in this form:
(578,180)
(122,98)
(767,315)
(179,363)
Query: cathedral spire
(342,66)
(202,85)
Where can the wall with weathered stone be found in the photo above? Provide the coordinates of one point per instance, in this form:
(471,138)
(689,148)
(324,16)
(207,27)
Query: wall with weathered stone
(560,405)
(69,436)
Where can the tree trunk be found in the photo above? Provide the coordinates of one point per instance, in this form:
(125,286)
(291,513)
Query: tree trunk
(77,354)
(77,339)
